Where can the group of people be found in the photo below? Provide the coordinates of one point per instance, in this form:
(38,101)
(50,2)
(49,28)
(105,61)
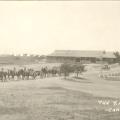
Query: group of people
(27,73)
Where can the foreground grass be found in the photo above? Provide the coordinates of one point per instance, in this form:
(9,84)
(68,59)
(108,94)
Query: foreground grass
(27,102)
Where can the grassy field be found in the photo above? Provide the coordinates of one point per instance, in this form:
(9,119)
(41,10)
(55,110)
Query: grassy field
(60,99)
(51,99)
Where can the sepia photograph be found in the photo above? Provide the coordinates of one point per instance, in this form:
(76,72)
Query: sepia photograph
(60,60)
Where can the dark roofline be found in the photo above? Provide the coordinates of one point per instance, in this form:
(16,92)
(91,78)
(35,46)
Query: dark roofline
(84,53)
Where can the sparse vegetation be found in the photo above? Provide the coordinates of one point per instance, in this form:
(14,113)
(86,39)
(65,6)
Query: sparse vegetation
(66,69)
(117,55)
(78,69)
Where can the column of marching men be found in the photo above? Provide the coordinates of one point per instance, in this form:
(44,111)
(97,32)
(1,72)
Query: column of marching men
(110,76)
(28,73)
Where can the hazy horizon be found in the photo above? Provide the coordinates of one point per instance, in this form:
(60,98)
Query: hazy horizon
(40,27)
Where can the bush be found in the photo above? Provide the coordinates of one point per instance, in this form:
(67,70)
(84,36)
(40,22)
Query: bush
(78,68)
(66,69)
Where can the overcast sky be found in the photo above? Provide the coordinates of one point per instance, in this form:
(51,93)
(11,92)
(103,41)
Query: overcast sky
(42,27)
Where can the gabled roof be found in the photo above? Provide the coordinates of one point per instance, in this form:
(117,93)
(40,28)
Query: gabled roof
(82,53)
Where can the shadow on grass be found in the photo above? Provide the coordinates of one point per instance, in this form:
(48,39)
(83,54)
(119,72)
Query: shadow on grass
(53,88)
(79,80)
(12,110)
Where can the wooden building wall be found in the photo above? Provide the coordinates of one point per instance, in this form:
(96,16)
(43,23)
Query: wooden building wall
(86,60)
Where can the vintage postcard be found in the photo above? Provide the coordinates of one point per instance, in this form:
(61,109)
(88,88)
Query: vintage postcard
(59,60)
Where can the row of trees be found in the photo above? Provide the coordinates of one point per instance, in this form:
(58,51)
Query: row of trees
(67,68)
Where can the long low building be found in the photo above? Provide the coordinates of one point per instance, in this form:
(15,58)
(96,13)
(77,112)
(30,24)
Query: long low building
(81,56)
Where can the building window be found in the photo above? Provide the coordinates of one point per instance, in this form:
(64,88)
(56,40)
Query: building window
(78,60)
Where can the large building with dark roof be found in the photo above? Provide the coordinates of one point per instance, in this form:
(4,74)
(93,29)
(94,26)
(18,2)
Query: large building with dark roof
(81,56)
